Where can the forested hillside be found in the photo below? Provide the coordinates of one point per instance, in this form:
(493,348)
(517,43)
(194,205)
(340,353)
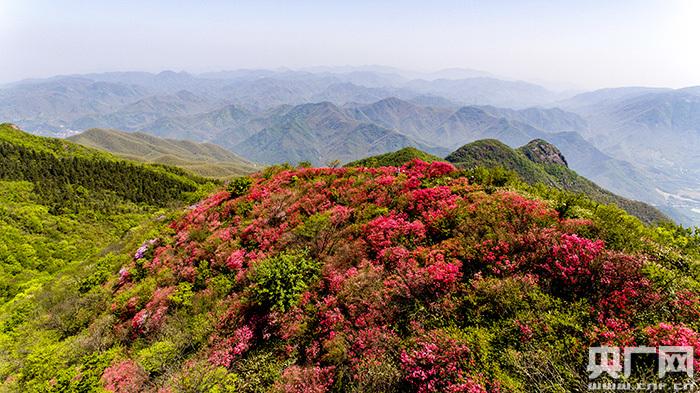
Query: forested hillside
(62,204)
(59,169)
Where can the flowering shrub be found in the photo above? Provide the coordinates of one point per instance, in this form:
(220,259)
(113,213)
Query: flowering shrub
(384,232)
(124,276)
(150,318)
(297,379)
(439,363)
(232,348)
(145,248)
(124,377)
(673,335)
(391,279)
(569,262)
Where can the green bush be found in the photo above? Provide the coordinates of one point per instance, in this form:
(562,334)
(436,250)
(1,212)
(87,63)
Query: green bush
(491,178)
(158,356)
(183,296)
(202,377)
(280,280)
(259,371)
(239,186)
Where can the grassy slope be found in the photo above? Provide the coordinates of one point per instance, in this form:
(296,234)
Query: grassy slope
(201,158)
(492,153)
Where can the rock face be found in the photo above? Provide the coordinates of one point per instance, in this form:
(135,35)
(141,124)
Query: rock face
(543,152)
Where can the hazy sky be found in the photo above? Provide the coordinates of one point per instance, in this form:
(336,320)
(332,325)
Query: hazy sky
(584,43)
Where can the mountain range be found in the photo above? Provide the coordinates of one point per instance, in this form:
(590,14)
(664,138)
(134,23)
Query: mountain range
(69,103)
(638,142)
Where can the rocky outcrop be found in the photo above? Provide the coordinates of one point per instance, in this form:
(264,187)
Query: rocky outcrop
(543,152)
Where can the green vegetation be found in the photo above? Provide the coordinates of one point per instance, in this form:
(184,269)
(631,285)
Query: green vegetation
(490,153)
(204,159)
(280,280)
(239,186)
(59,314)
(67,175)
(429,278)
(396,158)
(35,244)
(62,203)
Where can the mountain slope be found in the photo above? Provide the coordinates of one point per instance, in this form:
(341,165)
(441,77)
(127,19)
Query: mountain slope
(320,133)
(410,119)
(541,162)
(472,123)
(621,176)
(62,203)
(30,158)
(149,110)
(658,130)
(201,158)
(410,279)
(550,120)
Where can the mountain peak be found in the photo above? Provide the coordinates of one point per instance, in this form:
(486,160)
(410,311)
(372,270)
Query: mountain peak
(11,125)
(543,152)
(392,101)
(532,163)
(470,112)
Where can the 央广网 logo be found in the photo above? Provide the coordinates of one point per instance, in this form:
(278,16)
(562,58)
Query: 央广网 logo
(616,362)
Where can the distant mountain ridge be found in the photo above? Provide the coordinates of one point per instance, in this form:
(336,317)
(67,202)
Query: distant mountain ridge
(657,130)
(433,129)
(320,133)
(201,158)
(639,142)
(67,103)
